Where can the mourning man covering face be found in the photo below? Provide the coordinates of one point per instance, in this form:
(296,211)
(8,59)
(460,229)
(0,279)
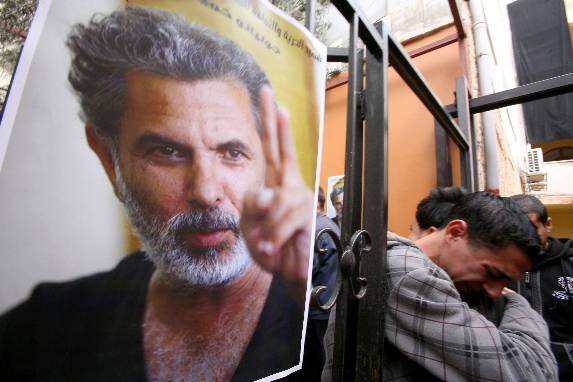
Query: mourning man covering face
(482,242)
(185,125)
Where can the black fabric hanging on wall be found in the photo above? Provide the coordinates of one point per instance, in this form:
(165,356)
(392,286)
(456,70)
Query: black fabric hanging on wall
(542,49)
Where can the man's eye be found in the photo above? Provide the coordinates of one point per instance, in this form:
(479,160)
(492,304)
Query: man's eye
(234,155)
(165,151)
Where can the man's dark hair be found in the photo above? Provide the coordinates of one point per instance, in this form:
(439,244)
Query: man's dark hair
(495,222)
(434,208)
(335,192)
(531,205)
(321,198)
(147,39)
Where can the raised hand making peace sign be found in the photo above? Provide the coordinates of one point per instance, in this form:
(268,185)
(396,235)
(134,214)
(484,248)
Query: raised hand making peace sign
(277,219)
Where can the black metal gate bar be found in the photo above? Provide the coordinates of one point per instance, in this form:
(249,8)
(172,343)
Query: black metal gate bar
(467,165)
(401,62)
(443,158)
(337,54)
(361,358)
(473,144)
(371,309)
(457,19)
(521,94)
(347,306)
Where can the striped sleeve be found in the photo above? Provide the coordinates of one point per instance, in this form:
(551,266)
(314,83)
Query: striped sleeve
(428,323)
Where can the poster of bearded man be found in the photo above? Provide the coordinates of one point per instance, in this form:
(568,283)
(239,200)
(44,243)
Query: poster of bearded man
(205,118)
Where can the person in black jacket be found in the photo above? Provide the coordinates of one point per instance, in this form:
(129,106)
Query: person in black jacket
(324,270)
(549,285)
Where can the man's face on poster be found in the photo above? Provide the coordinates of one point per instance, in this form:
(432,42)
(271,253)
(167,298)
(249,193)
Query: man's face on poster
(187,153)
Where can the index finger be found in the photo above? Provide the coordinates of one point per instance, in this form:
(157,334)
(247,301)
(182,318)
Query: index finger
(270,143)
(287,150)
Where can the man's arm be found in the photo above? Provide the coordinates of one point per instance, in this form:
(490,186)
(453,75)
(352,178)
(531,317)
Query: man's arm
(428,322)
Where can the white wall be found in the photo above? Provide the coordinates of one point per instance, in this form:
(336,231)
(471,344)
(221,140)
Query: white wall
(559,175)
(408,18)
(411,18)
(338,33)
(58,216)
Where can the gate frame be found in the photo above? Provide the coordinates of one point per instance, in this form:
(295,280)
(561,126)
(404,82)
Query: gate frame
(359,326)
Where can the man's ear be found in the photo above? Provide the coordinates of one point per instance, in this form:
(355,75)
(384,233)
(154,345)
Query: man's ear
(548,224)
(456,229)
(103,152)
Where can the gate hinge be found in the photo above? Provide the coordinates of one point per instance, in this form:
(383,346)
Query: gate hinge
(362,103)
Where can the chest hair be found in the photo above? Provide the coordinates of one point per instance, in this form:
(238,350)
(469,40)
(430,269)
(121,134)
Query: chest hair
(186,354)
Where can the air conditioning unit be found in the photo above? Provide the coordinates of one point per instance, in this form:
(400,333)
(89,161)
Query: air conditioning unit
(535,179)
(534,160)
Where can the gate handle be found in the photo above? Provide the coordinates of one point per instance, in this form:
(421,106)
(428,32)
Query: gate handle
(360,242)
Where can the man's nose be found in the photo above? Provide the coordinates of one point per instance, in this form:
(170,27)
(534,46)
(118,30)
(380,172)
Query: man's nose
(493,288)
(204,188)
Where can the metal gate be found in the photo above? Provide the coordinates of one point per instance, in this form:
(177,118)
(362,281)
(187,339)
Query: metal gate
(360,290)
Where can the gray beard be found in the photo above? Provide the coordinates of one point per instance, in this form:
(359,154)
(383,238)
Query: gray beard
(177,264)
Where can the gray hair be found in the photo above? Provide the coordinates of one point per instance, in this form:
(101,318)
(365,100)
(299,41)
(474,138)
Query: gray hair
(148,39)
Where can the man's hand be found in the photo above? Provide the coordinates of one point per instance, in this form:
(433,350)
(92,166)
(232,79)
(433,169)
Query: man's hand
(276,221)
(506,290)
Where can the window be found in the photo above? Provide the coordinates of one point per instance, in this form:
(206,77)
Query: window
(559,153)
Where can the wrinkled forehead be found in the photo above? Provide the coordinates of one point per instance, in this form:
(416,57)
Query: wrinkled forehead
(159,93)
(150,96)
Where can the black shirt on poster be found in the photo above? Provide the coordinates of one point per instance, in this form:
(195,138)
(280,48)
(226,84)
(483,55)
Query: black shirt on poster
(90,330)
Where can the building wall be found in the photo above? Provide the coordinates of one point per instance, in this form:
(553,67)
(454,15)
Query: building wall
(511,144)
(562,217)
(510,165)
(412,164)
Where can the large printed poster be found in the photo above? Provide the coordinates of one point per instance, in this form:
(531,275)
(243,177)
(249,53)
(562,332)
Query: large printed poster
(201,120)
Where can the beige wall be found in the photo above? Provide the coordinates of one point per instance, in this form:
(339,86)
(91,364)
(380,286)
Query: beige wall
(562,216)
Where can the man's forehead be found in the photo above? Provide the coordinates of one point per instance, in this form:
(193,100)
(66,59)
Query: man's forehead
(165,85)
(153,98)
(515,258)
